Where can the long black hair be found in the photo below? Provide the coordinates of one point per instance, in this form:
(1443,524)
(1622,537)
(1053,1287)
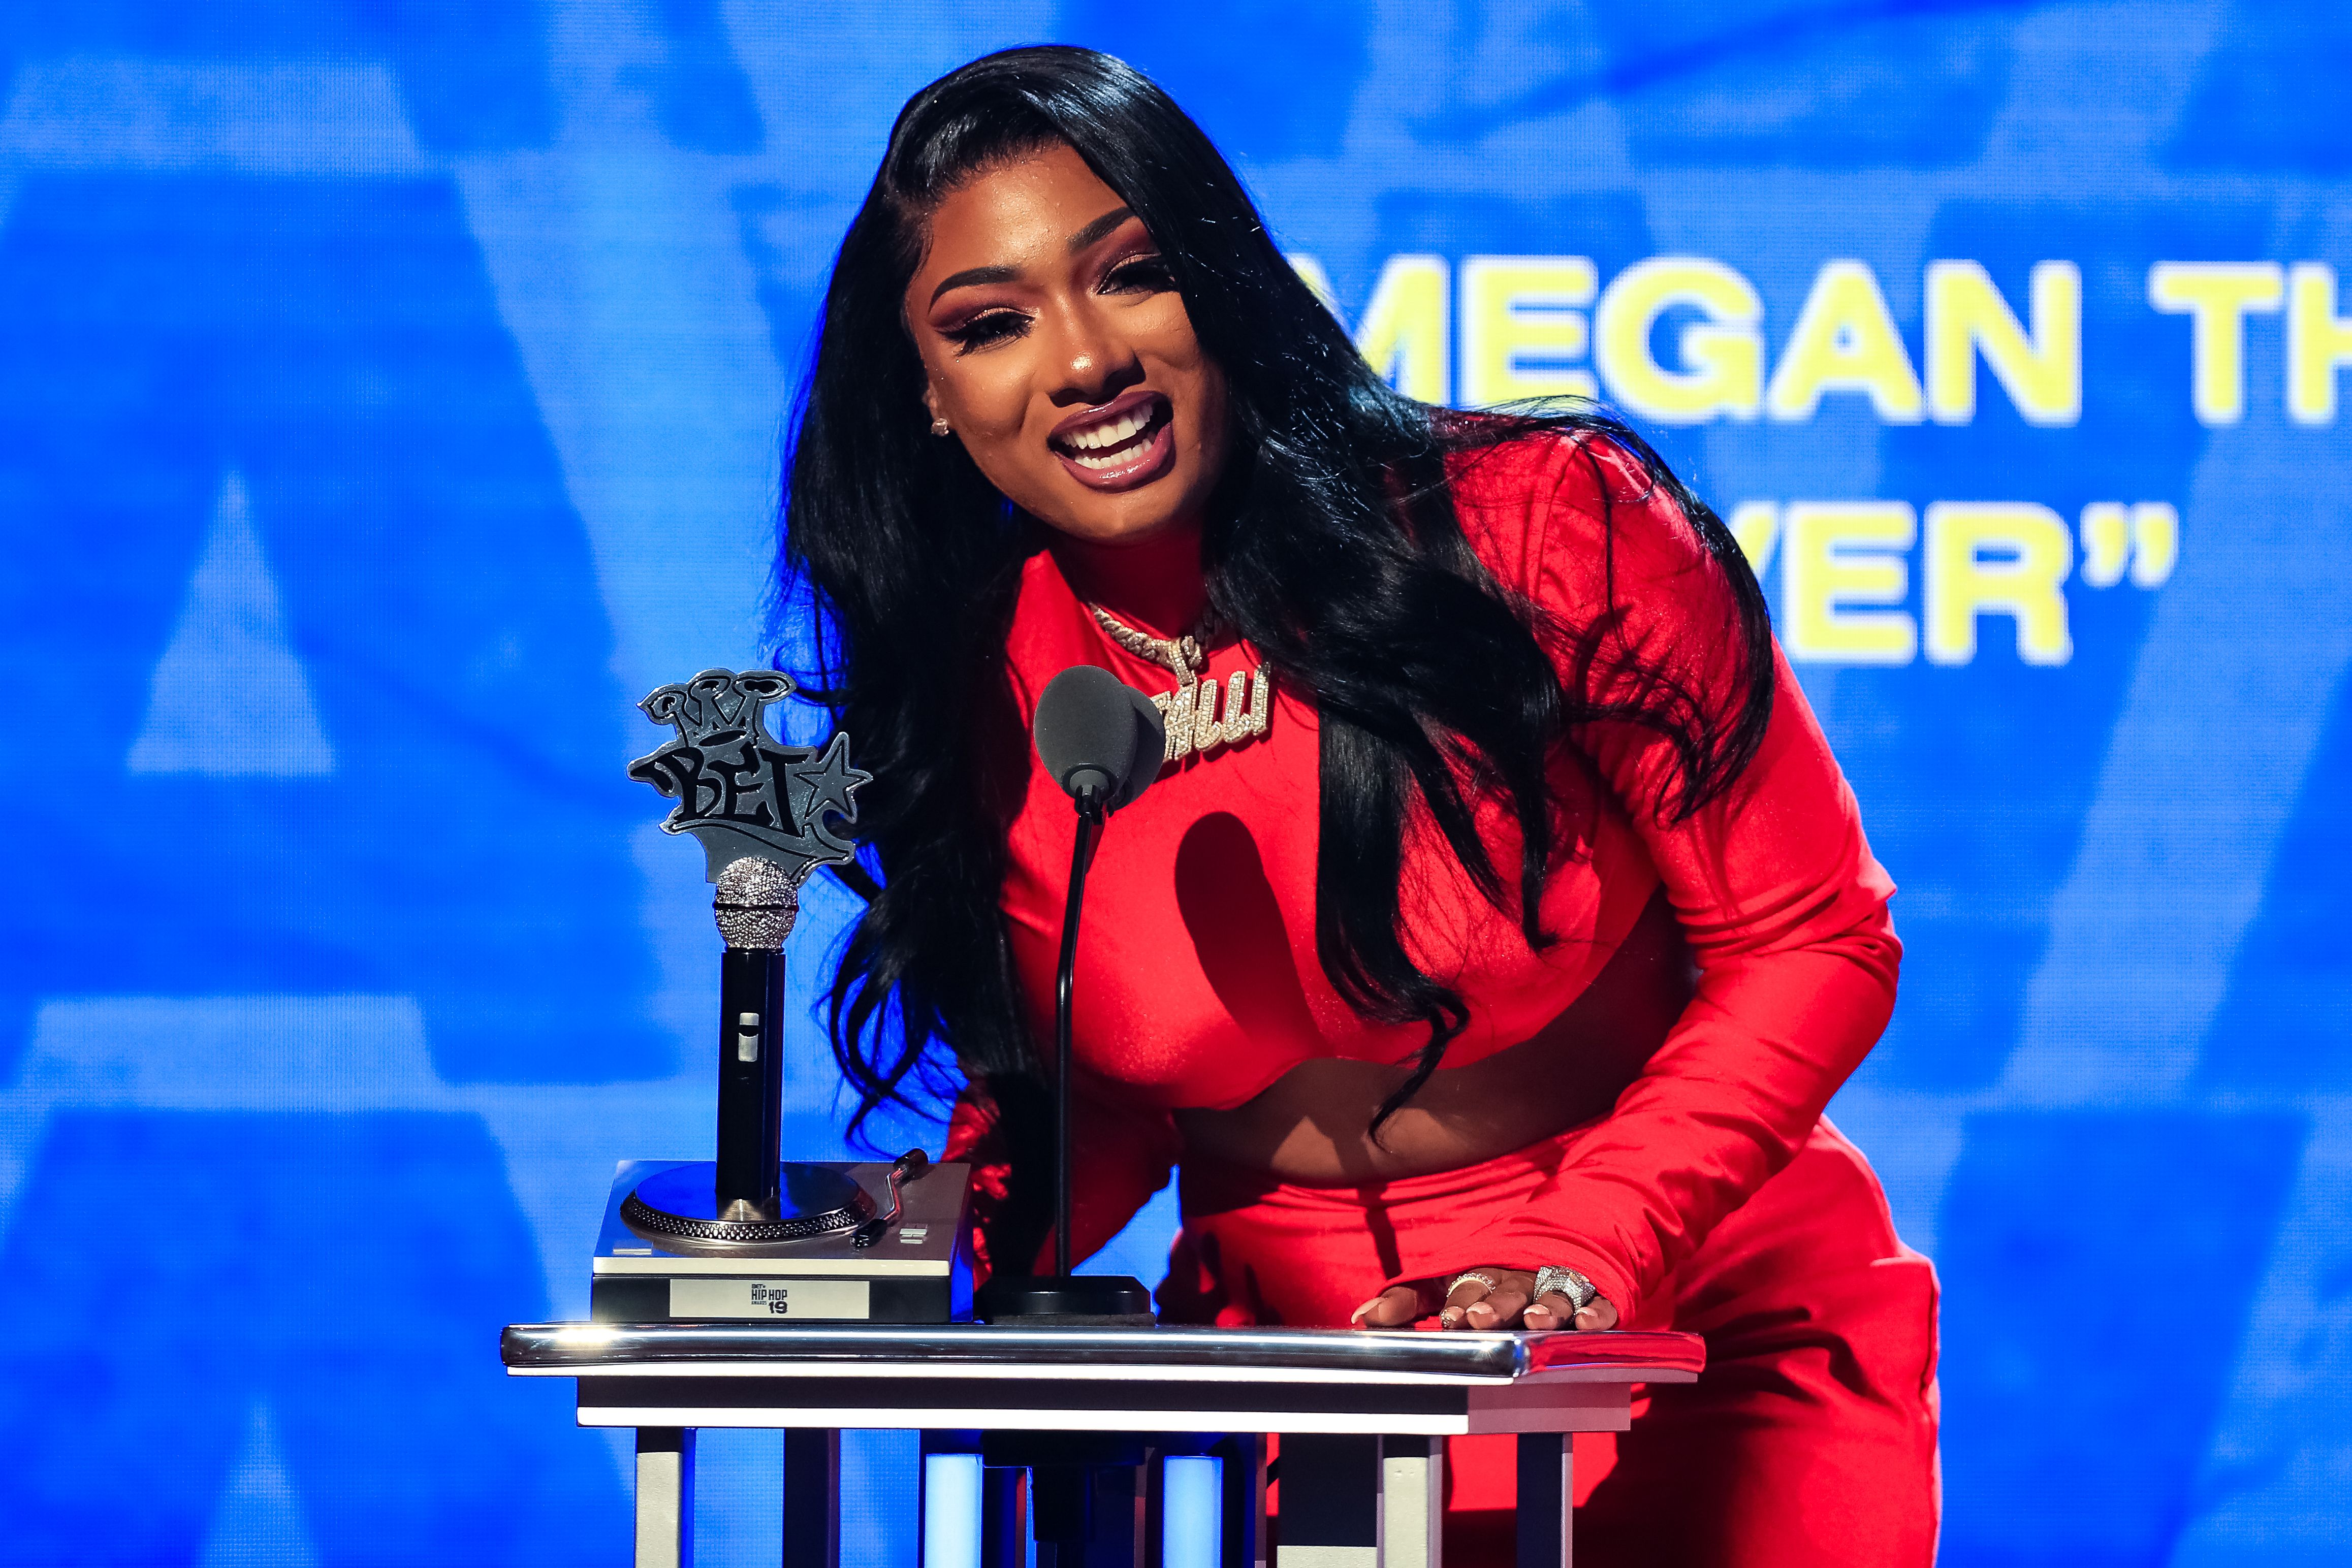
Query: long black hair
(1332,547)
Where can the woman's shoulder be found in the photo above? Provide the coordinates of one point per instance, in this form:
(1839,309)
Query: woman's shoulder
(1553,504)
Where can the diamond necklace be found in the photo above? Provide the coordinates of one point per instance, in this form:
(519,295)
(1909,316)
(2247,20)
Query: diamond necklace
(1195,722)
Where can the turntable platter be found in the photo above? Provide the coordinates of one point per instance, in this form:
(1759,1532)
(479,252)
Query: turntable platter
(678,1209)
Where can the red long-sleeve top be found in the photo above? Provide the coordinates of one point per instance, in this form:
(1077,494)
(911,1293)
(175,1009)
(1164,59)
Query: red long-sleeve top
(1197,983)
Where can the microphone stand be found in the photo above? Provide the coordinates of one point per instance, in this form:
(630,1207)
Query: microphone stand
(1082,856)
(1062,1296)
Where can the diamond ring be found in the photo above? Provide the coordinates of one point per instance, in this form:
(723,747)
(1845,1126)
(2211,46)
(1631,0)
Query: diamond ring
(1552,1280)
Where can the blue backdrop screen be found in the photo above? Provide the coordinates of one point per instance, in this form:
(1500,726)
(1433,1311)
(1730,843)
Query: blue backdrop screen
(388,397)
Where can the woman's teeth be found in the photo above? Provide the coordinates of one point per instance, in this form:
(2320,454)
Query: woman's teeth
(1091,443)
(1112,433)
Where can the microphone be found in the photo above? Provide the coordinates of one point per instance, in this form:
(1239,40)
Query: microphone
(1095,732)
(755,906)
(1103,742)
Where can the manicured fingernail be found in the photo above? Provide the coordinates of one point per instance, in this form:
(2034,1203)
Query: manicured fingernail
(1358,1315)
(1450,1316)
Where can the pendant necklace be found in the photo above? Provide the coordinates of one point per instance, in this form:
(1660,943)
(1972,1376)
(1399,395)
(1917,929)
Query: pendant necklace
(1193,719)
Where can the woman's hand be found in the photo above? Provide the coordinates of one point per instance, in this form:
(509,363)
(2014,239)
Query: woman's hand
(1474,1305)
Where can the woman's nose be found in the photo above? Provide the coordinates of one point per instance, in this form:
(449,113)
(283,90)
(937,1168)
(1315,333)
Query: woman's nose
(1094,365)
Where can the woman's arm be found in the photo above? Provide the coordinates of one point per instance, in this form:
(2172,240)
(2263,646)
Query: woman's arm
(1773,884)
(1797,980)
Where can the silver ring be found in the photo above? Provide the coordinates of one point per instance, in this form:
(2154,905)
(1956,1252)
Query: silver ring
(1551,1279)
(1454,1284)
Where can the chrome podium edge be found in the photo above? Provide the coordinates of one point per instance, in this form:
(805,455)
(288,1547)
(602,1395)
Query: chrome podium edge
(1286,1356)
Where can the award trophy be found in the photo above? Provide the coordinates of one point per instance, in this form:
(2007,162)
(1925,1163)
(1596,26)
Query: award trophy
(749,1235)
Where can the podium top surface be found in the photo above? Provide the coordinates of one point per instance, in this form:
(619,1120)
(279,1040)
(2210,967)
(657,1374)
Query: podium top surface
(972,1350)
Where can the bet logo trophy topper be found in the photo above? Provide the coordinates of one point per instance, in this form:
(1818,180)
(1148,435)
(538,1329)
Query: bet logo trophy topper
(761,810)
(737,790)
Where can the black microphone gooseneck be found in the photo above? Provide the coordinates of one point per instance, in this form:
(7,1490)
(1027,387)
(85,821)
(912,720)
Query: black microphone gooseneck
(1082,854)
(1102,741)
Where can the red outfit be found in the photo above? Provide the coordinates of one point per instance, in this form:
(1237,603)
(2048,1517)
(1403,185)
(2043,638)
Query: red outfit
(1712,1197)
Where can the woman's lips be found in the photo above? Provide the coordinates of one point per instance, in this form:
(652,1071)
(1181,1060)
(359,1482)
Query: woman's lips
(1130,441)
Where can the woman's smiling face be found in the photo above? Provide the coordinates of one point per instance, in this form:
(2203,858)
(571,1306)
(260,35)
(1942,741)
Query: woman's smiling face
(1058,350)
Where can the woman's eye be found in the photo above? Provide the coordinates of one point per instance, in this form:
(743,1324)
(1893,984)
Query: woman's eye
(1143,275)
(981,331)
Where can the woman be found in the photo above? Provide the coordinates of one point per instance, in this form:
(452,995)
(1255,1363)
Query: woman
(1496,965)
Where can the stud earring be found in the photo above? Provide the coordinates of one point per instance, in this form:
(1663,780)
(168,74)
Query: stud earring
(941,427)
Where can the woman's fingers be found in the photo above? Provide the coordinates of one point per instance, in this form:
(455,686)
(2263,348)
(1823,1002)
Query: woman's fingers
(1553,1310)
(1395,1307)
(1486,1299)
(1497,1308)
(1550,1310)
(1465,1290)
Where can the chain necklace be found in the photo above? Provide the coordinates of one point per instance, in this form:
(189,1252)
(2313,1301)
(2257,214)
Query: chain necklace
(1193,720)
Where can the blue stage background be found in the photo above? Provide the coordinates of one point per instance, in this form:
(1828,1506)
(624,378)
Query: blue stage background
(389,396)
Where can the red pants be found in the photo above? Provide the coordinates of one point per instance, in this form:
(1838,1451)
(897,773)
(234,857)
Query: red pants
(1810,1437)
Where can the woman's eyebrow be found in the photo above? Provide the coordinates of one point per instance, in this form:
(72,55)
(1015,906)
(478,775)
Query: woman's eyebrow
(1099,227)
(972,275)
(1086,237)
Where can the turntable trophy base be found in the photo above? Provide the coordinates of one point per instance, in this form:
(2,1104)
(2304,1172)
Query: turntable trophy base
(911,1273)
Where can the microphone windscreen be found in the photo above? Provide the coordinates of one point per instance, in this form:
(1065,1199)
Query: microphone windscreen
(1150,747)
(1093,728)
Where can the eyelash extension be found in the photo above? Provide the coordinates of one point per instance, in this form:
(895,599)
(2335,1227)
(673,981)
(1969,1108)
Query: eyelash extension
(1153,265)
(994,327)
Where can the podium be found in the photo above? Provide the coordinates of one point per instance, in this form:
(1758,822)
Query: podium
(1362,1417)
